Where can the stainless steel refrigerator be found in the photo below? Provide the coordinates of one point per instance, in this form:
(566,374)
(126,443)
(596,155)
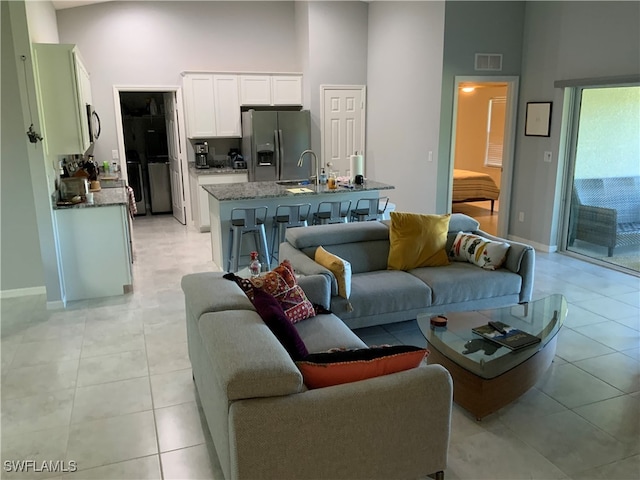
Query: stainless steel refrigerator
(272,142)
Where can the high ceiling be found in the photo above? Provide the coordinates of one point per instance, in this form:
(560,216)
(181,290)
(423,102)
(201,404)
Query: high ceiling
(61,4)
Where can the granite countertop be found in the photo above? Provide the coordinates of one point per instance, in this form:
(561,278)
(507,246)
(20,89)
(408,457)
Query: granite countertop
(104,198)
(214,171)
(256,190)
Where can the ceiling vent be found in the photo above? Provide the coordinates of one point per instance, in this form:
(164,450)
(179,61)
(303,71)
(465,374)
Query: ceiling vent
(489,61)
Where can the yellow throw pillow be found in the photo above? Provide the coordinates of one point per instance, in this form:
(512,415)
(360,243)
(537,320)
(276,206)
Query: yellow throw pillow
(340,268)
(417,240)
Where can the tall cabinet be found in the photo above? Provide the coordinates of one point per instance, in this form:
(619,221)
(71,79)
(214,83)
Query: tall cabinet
(64,91)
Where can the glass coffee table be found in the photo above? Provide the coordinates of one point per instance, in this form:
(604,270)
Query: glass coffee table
(486,376)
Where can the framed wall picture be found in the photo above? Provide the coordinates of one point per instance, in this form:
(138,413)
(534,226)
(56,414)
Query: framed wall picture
(538,121)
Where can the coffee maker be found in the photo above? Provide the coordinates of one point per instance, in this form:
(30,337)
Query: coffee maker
(202,155)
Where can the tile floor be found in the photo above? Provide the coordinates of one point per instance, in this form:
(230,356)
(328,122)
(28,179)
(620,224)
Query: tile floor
(107,383)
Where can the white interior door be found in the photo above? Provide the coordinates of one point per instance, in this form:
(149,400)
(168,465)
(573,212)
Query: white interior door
(173,143)
(343,124)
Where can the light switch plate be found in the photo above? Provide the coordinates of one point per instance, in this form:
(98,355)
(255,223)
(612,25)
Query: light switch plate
(547,157)
(114,154)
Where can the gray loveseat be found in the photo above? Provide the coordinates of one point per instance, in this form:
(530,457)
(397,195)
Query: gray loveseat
(266,424)
(381,296)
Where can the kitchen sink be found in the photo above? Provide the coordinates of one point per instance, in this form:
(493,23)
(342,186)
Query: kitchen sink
(289,183)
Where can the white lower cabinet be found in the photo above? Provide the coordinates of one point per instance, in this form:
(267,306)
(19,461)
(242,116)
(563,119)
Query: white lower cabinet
(95,251)
(200,198)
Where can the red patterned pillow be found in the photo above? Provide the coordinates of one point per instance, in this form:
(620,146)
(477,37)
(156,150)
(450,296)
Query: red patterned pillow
(282,284)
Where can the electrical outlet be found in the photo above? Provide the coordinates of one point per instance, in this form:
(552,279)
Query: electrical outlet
(547,157)
(114,154)
(521,217)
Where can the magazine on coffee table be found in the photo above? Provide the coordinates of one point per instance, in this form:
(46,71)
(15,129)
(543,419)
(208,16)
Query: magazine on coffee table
(505,335)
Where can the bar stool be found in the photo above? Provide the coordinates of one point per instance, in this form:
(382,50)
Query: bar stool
(337,212)
(287,216)
(368,209)
(248,220)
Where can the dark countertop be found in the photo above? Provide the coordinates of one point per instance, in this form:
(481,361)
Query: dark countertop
(255,190)
(214,171)
(104,198)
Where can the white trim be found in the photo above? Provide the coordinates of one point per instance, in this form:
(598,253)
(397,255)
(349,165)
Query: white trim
(235,72)
(182,139)
(508,150)
(363,114)
(57,305)
(23,292)
(538,246)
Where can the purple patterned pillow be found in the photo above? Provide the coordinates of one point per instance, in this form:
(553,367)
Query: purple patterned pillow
(272,314)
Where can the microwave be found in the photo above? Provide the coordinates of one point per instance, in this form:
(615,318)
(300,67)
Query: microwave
(94,124)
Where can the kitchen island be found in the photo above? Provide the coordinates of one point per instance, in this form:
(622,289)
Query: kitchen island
(224,198)
(198,178)
(95,245)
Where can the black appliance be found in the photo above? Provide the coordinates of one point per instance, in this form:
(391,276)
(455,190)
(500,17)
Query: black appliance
(202,155)
(94,124)
(237,160)
(134,174)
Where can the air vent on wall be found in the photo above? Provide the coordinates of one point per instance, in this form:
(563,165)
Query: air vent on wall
(489,61)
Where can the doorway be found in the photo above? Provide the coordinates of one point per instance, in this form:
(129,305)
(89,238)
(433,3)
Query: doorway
(603,187)
(482,149)
(148,130)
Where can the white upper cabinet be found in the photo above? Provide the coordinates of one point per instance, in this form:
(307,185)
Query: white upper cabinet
(212,101)
(63,90)
(227,105)
(212,105)
(270,90)
(286,89)
(199,105)
(255,89)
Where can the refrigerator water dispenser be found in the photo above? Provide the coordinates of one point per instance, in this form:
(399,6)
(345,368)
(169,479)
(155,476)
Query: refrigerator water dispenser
(265,153)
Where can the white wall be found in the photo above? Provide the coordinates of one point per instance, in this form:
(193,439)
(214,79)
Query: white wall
(404,88)
(20,260)
(470,28)
(337,52)
(563,40)
(41,18)
(33,261)
(150,43)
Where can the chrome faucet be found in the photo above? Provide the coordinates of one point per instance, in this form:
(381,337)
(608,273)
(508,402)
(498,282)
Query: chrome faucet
(315,158)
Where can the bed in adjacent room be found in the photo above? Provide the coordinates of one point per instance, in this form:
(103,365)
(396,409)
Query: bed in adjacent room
(471,186)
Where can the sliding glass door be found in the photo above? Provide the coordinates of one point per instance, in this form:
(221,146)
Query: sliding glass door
(603,220)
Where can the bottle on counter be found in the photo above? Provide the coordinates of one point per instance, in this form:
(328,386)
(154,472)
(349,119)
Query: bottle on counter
(255,266)
(332,182)
(323,177)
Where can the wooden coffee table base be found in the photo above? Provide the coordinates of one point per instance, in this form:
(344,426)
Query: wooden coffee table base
(481,396)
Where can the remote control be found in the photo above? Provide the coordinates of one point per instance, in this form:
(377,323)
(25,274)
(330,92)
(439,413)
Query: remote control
(497,327)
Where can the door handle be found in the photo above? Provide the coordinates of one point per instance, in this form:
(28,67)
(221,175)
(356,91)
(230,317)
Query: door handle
(281,143)
(277,153)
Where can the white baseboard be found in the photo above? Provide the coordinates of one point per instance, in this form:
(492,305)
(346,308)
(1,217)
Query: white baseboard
(57,305)
(23,292)
(536,245)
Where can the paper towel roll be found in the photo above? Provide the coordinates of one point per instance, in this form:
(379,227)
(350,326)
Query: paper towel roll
(357,165)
